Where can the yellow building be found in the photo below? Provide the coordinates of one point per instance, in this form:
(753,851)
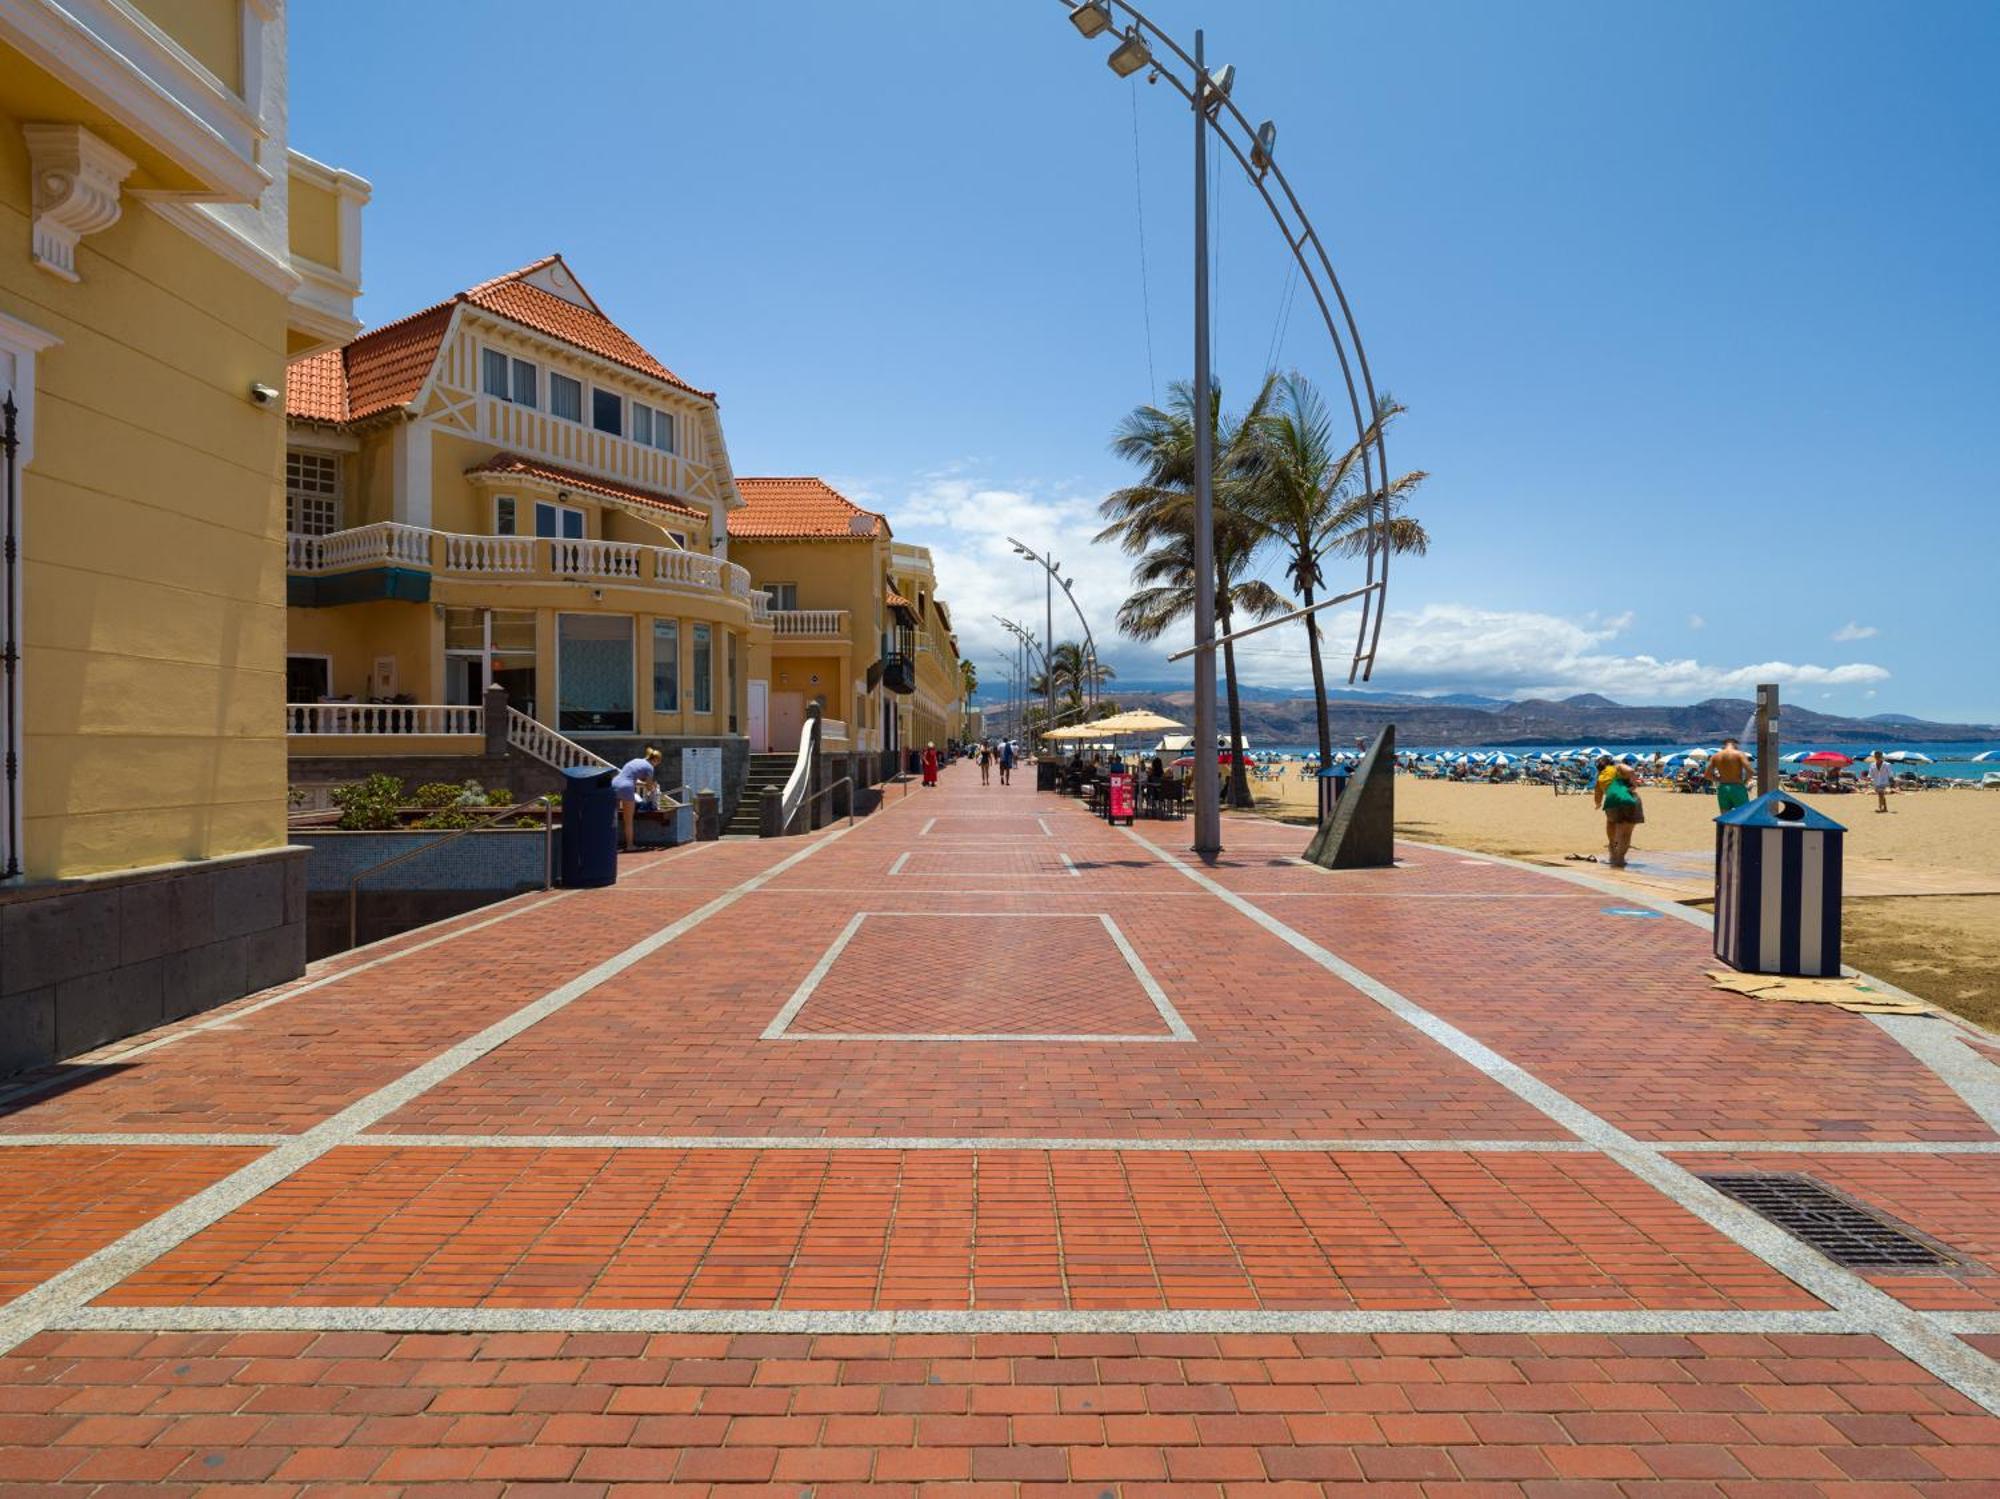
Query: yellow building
(505,489)
(162,254)
(855,622)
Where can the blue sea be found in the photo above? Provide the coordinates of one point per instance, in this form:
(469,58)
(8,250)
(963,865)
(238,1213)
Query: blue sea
(1954,760)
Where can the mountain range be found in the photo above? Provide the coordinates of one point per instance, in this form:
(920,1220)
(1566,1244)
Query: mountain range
(1273,716)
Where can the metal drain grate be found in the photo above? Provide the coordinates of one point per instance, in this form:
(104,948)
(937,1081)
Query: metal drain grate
(1841,1230)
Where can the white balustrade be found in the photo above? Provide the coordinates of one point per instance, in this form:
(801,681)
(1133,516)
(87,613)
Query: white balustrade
(828,622)
(384,718)
(687,569)
(533,737)
(760,607)
(489,555)
(832,732)
(607,560)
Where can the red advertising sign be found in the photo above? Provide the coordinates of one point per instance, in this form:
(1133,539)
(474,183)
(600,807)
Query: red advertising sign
(1118,805)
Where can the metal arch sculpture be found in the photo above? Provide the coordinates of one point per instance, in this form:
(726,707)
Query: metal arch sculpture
(1253,148)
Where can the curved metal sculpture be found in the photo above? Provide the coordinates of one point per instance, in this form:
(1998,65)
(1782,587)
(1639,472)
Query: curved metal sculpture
(1254,148)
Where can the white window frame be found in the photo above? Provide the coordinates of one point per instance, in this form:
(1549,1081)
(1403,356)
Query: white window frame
(624,426)
(487,355)
(323,656)
(556,674)
(512,515)
(674,622)
(698,679)
(773,590)
(515,368)
(337,499)
(582,520)
(670,444)
(640,414)
(582,390)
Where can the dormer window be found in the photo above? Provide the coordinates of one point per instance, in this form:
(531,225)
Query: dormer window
(565,397)
(652,428)
(506,379)
(607,411)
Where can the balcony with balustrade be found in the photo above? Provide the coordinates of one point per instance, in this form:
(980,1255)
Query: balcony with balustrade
(392,560)
(807,624)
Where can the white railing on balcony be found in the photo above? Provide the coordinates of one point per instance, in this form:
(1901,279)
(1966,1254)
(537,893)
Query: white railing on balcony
(383,542)
(489,554)
(533,737)
(831,622)
(760,607)
(384,718)
(456,555)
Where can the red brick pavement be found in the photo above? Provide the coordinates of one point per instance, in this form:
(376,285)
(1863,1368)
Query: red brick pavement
(59,1203)
(1559,1417)
(1612,1011)
(950,1229)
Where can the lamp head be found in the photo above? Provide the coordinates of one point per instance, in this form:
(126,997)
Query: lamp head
(1130,55)
(1264,150)
(1091,17)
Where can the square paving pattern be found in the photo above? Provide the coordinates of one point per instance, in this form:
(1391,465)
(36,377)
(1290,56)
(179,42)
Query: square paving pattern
(985,975)
(982,1148)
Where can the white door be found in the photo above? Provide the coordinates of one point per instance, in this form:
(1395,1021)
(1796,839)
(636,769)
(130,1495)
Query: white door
(760,705)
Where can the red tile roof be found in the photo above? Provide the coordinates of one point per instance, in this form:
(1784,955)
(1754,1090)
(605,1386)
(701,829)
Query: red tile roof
(385,367)
(800,509)
(514,464)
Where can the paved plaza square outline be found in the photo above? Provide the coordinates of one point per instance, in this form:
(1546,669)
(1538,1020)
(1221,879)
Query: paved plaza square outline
(1177,1029)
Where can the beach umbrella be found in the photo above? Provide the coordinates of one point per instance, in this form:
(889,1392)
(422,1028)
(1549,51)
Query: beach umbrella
(1985,756)
(1833,759)
(1908,757)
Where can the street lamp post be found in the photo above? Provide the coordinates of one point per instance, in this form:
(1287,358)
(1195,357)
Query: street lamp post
(1254,148)
(1047,561)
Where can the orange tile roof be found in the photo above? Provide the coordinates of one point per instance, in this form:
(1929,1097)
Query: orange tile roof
(514,464)
(385,367)
(800,509)
(895,600)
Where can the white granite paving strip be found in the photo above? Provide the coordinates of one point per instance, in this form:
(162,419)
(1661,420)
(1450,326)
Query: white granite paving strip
(1069,866)
(69,1290)
(696,1320)
(1175,1025)
(1909,1332)
(896,866)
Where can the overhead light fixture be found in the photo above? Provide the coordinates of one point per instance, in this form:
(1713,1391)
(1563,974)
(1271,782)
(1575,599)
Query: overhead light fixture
(1091,17)
(1220,82)
(1130,55)
(1264,150)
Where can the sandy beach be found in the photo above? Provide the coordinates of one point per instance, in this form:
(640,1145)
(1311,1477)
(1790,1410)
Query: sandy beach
(1937,935)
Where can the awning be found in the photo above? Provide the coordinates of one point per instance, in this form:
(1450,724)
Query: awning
(901,607)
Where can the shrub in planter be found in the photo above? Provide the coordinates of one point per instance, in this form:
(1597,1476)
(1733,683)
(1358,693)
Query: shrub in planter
(499,796)
(454,816)
(370,805)
(437,794)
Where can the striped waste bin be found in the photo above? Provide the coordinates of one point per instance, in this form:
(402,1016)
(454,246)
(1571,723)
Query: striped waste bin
(1777,888)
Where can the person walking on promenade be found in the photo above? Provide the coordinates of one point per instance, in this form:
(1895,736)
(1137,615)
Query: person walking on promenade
(1729,768)
(1006,762)
(644,771)
(1617,796)
(986,763)
(1881,777)
(930,763)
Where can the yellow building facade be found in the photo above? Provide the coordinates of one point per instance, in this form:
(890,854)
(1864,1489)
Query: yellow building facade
(506,489)
(855,623)
(153,283)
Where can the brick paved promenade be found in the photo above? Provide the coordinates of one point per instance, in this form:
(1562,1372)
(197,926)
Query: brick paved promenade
(983,1147)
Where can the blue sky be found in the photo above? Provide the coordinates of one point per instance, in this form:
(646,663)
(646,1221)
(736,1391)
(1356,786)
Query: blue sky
(1693,306)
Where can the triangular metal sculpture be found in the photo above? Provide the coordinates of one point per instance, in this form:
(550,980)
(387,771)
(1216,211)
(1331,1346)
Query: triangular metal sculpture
(1360,833)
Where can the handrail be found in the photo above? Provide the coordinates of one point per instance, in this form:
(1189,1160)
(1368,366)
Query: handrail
(827,790)
(801,776)
(533,737)
(354,882)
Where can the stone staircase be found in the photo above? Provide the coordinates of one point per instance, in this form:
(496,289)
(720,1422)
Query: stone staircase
(762,771)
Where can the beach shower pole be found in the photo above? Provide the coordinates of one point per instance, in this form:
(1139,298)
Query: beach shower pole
(1767,737)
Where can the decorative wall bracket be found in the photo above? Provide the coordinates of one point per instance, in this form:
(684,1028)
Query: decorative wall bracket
(76,179)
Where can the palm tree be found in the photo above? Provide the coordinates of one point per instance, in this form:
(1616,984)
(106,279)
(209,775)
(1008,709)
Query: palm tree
(968,684)
(1075,672)
(1154,520)
(1313,502)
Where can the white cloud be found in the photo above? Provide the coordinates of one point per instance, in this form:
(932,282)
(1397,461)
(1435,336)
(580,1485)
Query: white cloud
(1521,653)
(1696,622)
(1437,648)
(1852,631)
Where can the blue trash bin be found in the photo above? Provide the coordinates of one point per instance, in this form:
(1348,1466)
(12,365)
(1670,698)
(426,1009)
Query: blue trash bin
(589,827)
(1777,888)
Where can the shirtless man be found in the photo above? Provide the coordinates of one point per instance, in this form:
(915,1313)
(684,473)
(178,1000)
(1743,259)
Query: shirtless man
(1729,768)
